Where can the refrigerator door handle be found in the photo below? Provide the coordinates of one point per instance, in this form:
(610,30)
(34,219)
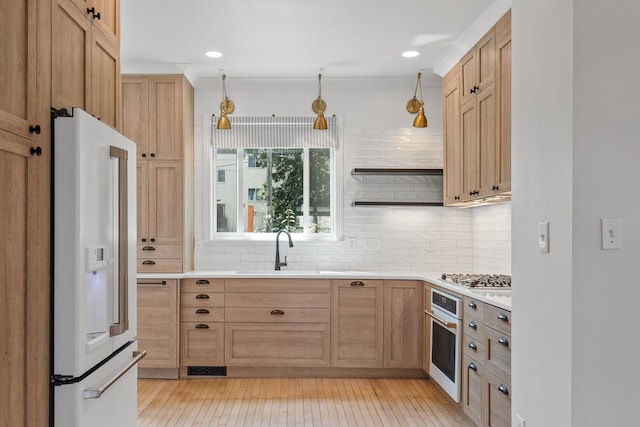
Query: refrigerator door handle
(123,247)
(97,392)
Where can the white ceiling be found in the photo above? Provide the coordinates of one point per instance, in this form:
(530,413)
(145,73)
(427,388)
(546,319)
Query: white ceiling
(292,38)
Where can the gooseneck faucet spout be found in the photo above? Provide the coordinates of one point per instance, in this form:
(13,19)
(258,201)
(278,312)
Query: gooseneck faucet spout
(278,263)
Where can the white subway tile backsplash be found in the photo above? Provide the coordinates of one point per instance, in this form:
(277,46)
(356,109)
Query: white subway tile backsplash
(433,239)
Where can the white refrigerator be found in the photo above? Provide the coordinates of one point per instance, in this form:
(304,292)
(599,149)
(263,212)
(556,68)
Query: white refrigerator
(94,348)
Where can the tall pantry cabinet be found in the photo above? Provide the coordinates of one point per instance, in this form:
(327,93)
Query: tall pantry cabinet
(25,156)
(157,114)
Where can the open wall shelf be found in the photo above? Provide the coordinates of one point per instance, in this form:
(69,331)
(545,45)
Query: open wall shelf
(397,172)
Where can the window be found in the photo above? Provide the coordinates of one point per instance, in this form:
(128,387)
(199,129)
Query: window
(221,175)
(289,185)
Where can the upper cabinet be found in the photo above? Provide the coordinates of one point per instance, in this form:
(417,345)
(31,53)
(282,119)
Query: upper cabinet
(477,121)
(86,58)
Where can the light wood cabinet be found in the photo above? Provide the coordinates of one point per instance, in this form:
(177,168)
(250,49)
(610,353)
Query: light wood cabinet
(158,116)
(486,365)
(357,328)
(277,322)
(202,323)
(86,63)
(158,327)
(477,141)
(403,324)
(25,159)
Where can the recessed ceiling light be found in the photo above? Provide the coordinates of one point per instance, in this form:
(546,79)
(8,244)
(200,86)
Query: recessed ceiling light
(410,54)
(213,54)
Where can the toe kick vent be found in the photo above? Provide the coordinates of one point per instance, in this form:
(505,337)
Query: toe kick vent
(218,371)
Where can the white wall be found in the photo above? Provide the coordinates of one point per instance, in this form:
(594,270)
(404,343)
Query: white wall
(575,148)
(377,133)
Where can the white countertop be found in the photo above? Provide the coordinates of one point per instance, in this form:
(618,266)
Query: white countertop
(500,298)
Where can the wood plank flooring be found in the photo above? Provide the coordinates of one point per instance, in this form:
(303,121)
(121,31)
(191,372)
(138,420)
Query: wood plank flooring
(323,402)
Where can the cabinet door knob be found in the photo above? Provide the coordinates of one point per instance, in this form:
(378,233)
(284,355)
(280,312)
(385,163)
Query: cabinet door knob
(472,304)
(456,198)
(495,188)
(35,129)
(503,341)
(503,317)
(277,312)
(202,282)
(473,325)
(202,326)
(152,239)
(143,240)
(202,311)
(357,283)
(148,262)
(152,154)
(202,296)
(472,366)
(473,346)
(37,151)
(143,154)
(503,389)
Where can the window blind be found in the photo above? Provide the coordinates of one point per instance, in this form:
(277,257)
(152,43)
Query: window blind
(274,132)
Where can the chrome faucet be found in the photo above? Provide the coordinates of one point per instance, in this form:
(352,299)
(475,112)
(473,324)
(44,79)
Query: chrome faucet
(278,263)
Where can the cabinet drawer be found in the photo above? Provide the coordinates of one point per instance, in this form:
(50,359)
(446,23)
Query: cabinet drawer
(498,319)
(475,329)
(475,349)
(498,353)
(165,265)
(201,344)
(202,285)
(202,299)
(278,314)
(159,251)
(279,299)
(472,374)
(277,285)
(277,344)
(202,314)
(498,405)
(473,309)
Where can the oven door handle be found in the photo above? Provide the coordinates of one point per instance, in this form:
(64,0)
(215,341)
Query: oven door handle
(452,325)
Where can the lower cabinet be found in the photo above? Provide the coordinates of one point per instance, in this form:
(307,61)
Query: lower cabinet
(158,327)
(486,364)
(201,324)
(403,324)
(277,344)
(277,322)
(357,313)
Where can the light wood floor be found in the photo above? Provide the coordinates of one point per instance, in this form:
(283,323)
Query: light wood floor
(295,402)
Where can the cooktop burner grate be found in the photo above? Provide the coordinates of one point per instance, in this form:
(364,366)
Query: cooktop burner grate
(491,281)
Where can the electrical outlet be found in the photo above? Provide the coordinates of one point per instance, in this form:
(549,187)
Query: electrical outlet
(520,421)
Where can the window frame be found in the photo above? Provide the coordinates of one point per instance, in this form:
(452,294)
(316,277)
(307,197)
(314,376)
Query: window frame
(209,216)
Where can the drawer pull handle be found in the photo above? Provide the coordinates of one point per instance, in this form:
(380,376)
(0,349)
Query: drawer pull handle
(202,296)
(503,341)
(148,248)
(202,326)
(503,317)
(472,304)
(357,283)
(473,346)
(472,366)
(503,389)
(148,262)
(202,311)
(473,325)
(277,312)
(202,282)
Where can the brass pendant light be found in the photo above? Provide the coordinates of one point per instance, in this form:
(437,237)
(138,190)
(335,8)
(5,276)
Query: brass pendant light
(226,107)
(415,106)
(319,106)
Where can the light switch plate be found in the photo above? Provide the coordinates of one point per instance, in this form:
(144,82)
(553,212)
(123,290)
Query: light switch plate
(543,237)
(611,233)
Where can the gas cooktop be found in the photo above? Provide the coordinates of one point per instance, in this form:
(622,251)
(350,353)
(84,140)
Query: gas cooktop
(485,281)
